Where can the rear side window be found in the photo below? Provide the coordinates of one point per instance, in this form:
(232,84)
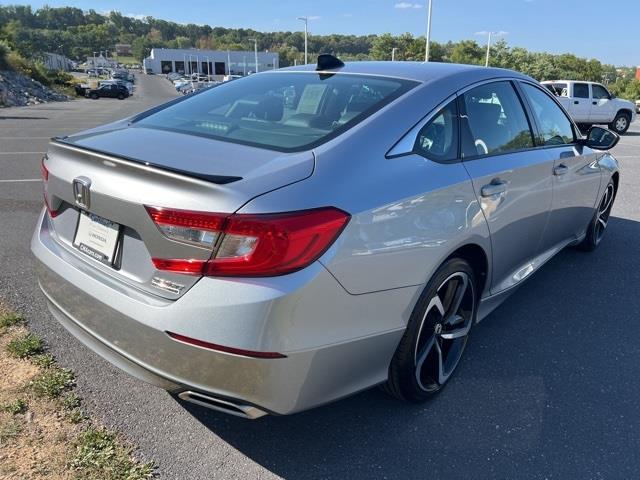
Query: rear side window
(280,111)
(438,139)
(555,128)
(493,121)
(581,90)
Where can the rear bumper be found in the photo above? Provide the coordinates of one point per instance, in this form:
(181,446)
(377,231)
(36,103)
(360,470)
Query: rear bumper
(335,343)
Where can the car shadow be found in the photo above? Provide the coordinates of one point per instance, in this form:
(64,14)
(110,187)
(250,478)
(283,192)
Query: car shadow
(548,388)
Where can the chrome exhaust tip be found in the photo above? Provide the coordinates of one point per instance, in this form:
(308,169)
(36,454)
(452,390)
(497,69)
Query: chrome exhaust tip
(239,410)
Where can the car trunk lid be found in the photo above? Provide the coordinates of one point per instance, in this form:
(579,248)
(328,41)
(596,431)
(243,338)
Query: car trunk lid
(125,170)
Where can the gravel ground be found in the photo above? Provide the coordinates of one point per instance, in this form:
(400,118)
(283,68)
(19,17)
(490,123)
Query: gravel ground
(547,389)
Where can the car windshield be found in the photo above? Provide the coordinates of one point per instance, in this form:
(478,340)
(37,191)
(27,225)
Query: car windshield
(280,111)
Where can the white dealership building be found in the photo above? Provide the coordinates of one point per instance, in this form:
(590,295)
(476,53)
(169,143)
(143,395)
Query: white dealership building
(208,62)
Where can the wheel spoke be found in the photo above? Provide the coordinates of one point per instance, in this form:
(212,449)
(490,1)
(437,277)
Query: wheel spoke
(441,376)
(456,333)
(606,201)
(461,289)
(602,222)
(435,302)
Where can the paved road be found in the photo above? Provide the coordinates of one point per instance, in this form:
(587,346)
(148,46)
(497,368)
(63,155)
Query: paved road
(548,389)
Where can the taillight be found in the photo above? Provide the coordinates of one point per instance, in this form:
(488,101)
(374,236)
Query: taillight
(44,172)
(250,245)
(43,169)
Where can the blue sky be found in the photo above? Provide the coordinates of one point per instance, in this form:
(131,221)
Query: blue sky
(607,31)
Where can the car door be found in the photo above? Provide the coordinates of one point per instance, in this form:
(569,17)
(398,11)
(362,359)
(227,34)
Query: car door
(576,174)
(512,180)
(602,108)
(580,103)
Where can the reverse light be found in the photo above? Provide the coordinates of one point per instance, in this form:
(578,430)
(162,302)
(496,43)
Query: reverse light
(196,228)
(250,245)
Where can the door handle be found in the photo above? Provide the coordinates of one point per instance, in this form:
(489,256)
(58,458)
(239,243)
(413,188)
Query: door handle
(576,102)
(495,187)
(560,170)
(594,103)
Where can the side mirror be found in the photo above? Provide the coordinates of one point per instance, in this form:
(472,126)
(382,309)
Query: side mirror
(600,138)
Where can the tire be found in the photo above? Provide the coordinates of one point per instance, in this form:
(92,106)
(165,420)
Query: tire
(426,358)
(621,123)
(120,96)
(94,96)
(598,224)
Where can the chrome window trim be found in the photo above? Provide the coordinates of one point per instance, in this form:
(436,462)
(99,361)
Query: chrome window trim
(405,145)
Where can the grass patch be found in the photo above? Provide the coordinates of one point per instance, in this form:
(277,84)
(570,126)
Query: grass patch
(44,433)
(10,319)
(100,456)
(43,360)
(70,401)
(24,346)
(16,407)
(9,429)
(52,382)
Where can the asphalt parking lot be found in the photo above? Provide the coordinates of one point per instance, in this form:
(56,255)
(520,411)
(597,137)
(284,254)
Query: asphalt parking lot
(548,388)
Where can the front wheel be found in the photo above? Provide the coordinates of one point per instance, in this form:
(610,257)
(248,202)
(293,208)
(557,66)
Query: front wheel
(598,225)
(436,334)
(621,123)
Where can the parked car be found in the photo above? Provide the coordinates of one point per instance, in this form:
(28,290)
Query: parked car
(81,89)
(637,106)
(257,255)
(228,78)
(128,85)
(109,90)
(592,104)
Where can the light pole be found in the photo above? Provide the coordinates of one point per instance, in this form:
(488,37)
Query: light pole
(393,54)
(428,40)
(244,63)
(228,62)
(255,50)
(306,34)
(489,35)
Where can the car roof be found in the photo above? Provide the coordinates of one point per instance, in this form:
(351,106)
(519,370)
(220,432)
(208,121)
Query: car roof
(417,71)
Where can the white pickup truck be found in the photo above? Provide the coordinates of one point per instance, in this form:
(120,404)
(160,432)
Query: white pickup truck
(592,104)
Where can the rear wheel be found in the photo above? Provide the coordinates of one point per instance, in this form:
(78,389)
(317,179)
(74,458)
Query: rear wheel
(598,225)
(121,96)
(436,335)
(94,96)
(621,123)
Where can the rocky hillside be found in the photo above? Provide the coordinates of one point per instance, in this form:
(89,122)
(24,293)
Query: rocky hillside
(18,90)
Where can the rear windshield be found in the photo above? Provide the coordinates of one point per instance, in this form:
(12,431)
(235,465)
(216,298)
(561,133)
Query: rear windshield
(280,111)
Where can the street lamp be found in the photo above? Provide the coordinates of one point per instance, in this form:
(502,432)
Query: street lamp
(428,40)
(393,54)
(255,49)
(489,35)
(306,33)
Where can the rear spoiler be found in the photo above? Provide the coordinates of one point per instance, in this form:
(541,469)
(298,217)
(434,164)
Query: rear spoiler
(218,179)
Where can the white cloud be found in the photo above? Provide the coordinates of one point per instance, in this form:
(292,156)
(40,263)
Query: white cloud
(347,15)
(405,5)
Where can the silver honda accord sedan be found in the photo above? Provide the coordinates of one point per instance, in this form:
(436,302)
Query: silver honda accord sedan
(287,239)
